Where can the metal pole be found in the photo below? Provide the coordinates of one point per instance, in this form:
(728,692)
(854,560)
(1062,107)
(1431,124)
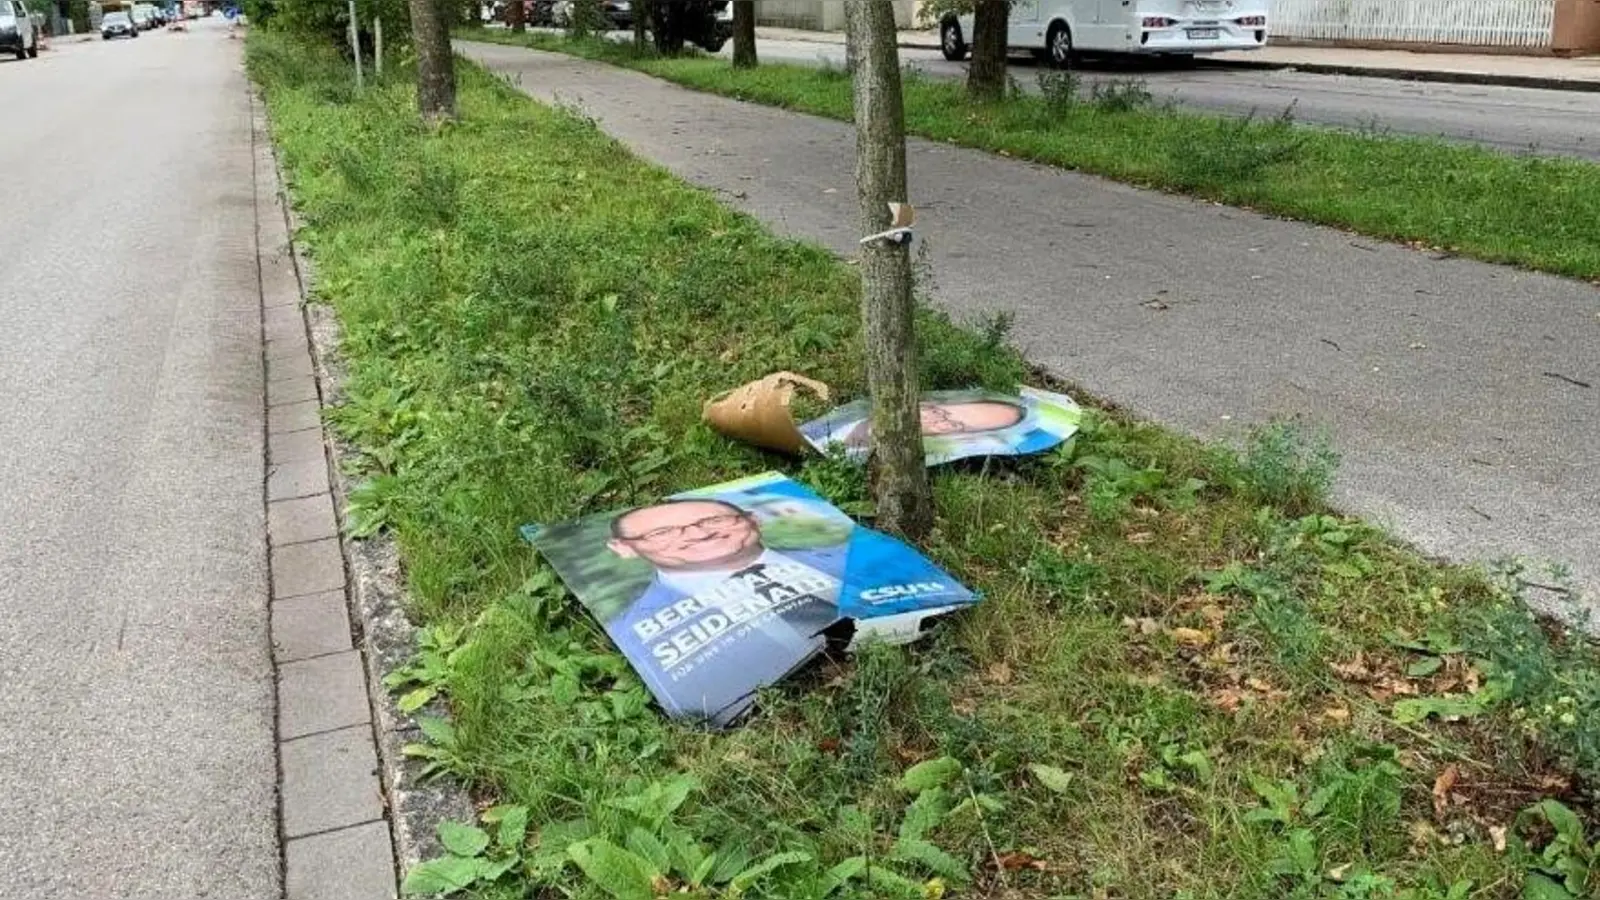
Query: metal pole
(377,47)
(355,43)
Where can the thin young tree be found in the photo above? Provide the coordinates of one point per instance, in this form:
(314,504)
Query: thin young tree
(986,74)
(744,34)
(899,473)
(436,71)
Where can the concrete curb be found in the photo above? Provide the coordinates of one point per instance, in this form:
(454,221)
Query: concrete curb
(376,593)
(1428,75)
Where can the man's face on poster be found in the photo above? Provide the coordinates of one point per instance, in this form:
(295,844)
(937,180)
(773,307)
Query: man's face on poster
(968,418)
(687,535)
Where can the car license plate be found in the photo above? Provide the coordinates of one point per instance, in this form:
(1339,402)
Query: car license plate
(1204,34)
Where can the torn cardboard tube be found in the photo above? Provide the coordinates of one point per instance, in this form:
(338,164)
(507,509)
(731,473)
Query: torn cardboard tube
(758,413)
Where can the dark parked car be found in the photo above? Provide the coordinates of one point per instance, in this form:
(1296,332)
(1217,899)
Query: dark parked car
(117,24)
(17,31)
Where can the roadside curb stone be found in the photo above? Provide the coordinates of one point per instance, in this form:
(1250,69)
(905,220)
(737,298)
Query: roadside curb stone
(382,633)
(334,815)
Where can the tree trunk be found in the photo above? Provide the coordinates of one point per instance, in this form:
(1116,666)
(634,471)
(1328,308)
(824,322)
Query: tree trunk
(986,75)
(436,72)
(516,16)
(744,34)
(900,475)
(641,23)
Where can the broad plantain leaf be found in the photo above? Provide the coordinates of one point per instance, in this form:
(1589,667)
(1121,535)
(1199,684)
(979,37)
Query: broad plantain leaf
(463,840)
(618,872)
(1416,709)
(930,857)
(444,875)
(1051,777)
(930,774)
(775,861)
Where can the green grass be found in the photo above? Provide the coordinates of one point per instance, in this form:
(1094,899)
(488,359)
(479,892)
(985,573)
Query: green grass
(1186,679)
(1529,211)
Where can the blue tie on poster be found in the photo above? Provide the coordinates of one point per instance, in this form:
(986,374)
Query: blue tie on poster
(715,593)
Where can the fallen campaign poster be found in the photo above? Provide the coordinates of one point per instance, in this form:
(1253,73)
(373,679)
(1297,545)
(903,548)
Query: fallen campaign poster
(960,424)
(717,592)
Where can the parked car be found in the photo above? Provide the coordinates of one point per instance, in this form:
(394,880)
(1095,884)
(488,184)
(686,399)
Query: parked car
(618,14)
(143,15)
(707,23)
(541,13)
(17,30)
(1057,30)
(117,24)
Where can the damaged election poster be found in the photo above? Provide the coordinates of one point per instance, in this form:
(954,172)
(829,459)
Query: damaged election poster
(714,593)
(959,424)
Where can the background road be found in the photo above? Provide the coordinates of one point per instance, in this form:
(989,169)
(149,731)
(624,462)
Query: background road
(1515,119)
(136,741)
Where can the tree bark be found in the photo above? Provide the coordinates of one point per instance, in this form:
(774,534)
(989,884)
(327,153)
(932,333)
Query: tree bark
(986,75)
(744,34)
(899,473)
(436,72)
(641,23)
(516,16)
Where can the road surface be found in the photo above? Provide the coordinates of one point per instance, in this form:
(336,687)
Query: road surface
(136,730)
(1563,123)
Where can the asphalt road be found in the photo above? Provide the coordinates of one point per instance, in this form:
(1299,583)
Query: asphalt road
(136,732)
(1464,397)
(1506,118)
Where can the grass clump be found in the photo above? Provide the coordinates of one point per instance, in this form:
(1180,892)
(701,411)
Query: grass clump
(1529,211)
(1186,679)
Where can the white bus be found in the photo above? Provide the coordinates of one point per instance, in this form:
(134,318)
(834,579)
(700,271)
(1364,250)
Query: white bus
(1055,30)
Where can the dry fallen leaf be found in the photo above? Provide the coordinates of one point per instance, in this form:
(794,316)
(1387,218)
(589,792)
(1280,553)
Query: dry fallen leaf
(999,673)
(1020,860)
(1214,615)
(1227,699)
(1497,836)
(1141,537)
(1191,637)
(1144,625)
(1442,787)
(1336,714)
(1354,670)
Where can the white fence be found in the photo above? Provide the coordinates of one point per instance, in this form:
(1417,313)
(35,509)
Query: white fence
(1504,23)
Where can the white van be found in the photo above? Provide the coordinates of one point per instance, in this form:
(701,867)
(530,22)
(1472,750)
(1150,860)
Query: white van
(1058,29)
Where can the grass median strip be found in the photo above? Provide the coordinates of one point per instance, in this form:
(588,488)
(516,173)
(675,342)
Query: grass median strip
(1529,211)
(1187,679)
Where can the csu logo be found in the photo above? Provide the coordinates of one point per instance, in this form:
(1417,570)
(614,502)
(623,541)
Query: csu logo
(893,591)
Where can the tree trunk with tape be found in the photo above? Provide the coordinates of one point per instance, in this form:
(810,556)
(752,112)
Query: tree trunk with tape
(899,474)
(986,74)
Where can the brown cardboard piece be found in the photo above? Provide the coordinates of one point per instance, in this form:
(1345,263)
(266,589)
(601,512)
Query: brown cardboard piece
(758,413)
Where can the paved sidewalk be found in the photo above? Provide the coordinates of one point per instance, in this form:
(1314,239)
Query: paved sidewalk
(1465,397)
(1548,72)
